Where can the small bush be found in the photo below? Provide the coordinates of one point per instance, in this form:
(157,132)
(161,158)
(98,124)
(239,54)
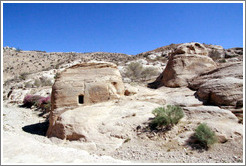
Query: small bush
(134,70)
(137,72)
(214,54)
(166,117)
(43,81)
(43,103)
(31,100)
(46,81)
(204,135)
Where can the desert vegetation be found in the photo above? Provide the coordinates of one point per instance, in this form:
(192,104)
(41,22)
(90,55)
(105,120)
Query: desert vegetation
(165,124)
(205,136)
(214,54)
(41,103)
(43,81)
(166,117)
(137,72)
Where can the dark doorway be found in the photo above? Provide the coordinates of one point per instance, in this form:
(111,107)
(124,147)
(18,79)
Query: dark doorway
(81,99)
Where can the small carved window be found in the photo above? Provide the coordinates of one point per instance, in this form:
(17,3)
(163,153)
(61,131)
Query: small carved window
(81,99)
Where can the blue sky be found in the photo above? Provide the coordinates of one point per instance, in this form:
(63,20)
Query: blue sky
(123,28)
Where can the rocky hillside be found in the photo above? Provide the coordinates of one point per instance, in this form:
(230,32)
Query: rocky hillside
(216,52)
(17,62)
(208,81)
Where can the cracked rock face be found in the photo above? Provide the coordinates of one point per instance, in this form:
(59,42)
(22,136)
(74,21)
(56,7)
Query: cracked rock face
(187,61)
(223,86)
(84,84)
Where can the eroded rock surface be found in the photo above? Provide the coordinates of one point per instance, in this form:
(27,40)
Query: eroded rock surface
(187,61)
(233,52)
(84,84)
(223,86)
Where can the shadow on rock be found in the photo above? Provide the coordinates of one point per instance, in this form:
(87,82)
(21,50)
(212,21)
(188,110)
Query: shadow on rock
(38,128)
(195,144)
(152,131)
(25,106)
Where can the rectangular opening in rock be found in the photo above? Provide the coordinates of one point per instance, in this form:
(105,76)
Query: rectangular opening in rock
(81,99)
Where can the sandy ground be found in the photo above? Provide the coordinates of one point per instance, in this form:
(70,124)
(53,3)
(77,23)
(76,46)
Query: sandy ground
(23,147)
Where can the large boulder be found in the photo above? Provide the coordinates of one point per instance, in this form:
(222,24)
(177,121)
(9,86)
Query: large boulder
(187,61)
(223,86)
(219,120)
(105,125)
(191,48)
(84,84)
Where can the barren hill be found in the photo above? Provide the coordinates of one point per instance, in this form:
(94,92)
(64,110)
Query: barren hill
(17,62)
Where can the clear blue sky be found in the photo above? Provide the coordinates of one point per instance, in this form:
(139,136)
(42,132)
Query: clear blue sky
(123,28)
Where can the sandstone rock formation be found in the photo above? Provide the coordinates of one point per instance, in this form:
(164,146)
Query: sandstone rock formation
(220,120)
(215,52)
(84,84)
(130,90)
(187,61)
(233,52)
(223,86)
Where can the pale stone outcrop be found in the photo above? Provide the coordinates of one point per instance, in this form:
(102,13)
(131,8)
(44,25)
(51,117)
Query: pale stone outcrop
(223,86)
(130,90)
(233,52)
(215,52)
(84,84)
(187,61)
(219,120)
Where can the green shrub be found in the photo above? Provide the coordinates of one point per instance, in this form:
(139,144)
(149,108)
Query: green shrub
(47,107)
(166,117)
(204,135)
